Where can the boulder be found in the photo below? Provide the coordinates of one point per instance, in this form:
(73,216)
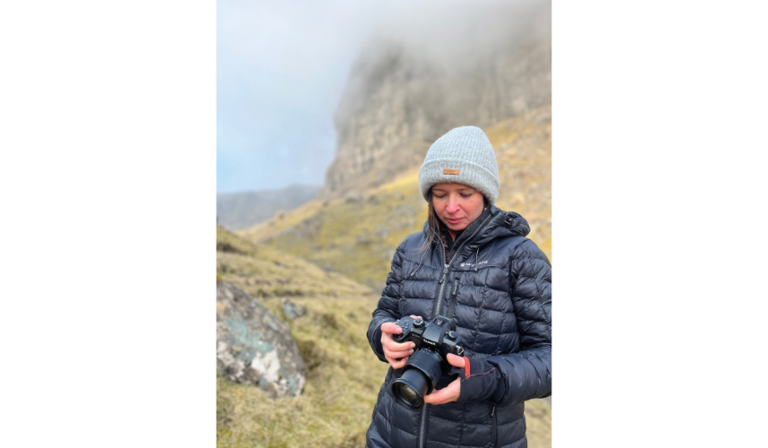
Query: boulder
(292,310)
(254,347)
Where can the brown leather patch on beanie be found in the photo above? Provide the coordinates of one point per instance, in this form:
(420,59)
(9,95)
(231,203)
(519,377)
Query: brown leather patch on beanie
(451,172)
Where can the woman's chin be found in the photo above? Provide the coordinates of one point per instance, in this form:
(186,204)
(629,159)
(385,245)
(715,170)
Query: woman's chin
(461,225)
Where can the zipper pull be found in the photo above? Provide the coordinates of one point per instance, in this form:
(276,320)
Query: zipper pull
(493,411)
(455,286)
(442,277)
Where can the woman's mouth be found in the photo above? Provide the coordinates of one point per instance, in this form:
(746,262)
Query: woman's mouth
(454,221)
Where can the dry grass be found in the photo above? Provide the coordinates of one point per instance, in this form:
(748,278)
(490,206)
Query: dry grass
(343,380)
(343,374)
(524,153)
(356,236)
(264,271)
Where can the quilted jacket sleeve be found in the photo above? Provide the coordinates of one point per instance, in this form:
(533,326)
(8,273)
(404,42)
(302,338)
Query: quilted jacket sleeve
(528,373)
(387,310)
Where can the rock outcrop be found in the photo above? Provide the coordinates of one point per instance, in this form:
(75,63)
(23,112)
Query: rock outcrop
(254,346)
(402,95)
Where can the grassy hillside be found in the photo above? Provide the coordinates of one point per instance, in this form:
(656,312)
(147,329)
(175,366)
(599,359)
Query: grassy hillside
(524,154)
(343,375)
(357,235)
(266,272)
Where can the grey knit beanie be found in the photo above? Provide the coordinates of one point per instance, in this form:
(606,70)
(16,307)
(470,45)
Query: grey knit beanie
(464,155)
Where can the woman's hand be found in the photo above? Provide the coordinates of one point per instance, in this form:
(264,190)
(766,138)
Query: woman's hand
(395,353)
(451,392)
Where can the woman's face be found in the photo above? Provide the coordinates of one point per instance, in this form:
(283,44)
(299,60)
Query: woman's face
(457,205)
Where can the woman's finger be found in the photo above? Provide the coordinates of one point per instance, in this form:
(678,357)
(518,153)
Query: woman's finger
(444,395)
(395,347)
(456,361)
(397,364)
(397,354)
(407,350)
(391,328)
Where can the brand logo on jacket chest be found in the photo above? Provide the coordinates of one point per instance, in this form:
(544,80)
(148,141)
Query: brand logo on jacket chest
(471,265)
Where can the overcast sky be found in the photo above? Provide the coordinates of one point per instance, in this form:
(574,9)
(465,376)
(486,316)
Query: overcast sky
(281,69)
(282,66)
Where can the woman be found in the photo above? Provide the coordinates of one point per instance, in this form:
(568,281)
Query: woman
(471,263)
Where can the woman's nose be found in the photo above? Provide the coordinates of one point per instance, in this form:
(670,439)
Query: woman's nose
(453,206)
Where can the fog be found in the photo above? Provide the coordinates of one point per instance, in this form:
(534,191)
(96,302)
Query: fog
(283,66)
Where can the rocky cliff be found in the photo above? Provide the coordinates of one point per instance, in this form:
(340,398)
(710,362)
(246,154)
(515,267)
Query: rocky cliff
(405,92)
(402,94)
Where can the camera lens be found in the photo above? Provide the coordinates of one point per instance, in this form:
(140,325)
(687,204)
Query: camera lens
(407,395)
(410,388)
(422,371)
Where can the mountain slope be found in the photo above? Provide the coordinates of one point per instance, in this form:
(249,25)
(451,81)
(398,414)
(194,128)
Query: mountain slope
(343,374)
(429,77)
(265,272)
(237,211)
(357,235)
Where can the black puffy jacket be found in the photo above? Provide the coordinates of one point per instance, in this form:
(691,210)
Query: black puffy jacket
(497,287)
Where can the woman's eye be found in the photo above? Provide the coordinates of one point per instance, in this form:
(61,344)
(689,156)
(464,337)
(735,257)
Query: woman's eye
(466,195)
(439,197)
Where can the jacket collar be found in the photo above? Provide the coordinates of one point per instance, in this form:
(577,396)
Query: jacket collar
(491,224)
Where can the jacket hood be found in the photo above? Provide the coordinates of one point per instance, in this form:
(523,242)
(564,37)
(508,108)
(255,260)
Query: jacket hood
(499,224)
(491,224)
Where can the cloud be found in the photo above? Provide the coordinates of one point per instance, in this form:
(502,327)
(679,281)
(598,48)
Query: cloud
(282,67)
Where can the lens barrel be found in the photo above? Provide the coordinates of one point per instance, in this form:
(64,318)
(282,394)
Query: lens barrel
(422,371)
(410,388)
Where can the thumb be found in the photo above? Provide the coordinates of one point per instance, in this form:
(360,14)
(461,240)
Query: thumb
(456,361)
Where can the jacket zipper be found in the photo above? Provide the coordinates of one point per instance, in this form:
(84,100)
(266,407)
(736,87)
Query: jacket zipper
(440,291)
(447,266)
(424,409)
(452,301)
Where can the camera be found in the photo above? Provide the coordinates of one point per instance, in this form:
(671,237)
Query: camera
(434,340)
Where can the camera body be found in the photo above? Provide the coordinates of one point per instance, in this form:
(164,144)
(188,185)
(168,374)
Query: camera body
(439,335)
(434,341)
